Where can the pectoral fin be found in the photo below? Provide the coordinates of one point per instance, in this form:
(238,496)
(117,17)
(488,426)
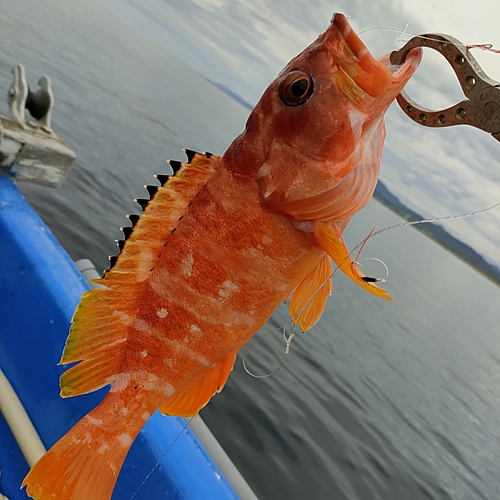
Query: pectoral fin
(191,398)
(331,241)
(309,298)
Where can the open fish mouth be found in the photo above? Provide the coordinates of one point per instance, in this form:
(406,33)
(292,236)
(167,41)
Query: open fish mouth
(374,76)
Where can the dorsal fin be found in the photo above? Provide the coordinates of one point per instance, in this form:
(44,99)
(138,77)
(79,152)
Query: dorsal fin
(197,171)
(309,298)
(98,323)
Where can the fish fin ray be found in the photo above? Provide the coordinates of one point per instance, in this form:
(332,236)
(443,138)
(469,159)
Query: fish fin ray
(330,240)
(96,334)
(86,461)
(197,393)
(309,298)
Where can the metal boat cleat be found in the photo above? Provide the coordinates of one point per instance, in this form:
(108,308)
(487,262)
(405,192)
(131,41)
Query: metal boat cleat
(29,149)
(39,103)
(18,95)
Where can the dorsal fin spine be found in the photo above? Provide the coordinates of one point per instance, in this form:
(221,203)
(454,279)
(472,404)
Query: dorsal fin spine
(162,178)
(142,202)
(176,165)
(191,154)
(133,218)
(127,231)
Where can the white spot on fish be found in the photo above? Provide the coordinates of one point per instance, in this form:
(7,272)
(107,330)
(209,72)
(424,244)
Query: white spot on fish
(190,353)
(144,353)
(142,326)
(162,313)
(112,466)
(119,382)
(125,439)
(187,264)
(87,438)
(146,415)
(240,319)
(168,390)
(227,289)
(145,264)
(266,239)
(254,253)
(357,119)
(124,318)
(150,380)
(104,447)
(196,331)
(169,362)
(124,411)
(94,421)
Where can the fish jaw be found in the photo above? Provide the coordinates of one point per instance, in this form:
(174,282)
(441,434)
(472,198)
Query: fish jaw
(328,147)
(351,55)
(376,77)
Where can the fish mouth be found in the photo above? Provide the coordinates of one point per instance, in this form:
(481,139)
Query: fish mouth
(374,76)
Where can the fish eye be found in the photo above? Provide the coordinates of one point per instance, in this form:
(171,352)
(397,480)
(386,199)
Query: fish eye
(295,88)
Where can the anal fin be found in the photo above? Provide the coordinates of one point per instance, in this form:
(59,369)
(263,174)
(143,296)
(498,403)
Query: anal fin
(309,298)
(330,240)
(189,400)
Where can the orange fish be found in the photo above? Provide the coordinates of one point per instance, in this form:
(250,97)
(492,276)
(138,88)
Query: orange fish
(218,247)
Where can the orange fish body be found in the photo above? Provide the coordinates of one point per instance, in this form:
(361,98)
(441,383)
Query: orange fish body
(218,247)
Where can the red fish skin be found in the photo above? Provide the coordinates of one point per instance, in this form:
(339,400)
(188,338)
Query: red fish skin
(249,236)
(228,265)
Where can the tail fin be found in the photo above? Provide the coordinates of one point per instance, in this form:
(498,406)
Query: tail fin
(84,464)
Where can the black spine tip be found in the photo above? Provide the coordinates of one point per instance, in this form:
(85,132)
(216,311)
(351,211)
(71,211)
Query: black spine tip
(162,178)
(152,190)
(112,260)
(121,244)
(176,165)
(208,155)
(142,202)
(370,280)
(127,231)
(133,218)
(190,154)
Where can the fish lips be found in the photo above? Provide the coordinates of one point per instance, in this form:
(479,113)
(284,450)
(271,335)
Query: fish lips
(376,77)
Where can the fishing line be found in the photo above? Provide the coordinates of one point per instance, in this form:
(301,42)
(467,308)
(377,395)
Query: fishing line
(380,280)
(483,46)
(288,340)
(156,465)
(426,221)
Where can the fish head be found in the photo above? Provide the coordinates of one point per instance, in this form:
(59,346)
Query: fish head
(315,138)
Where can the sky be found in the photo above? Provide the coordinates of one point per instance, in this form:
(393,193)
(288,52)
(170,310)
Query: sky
(243,44)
